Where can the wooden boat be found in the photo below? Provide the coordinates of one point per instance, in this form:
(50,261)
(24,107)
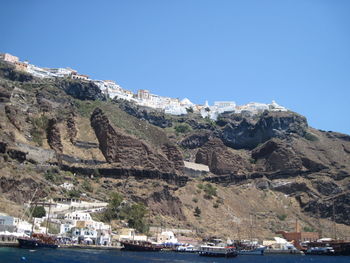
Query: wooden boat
(133,245)
(38,241)
(215,251)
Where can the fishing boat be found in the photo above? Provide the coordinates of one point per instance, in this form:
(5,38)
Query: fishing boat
(133,245)
(38,241)
(215,251)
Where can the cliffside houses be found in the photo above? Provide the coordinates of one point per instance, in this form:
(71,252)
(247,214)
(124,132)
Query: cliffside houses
(81,228)
(113,90)
(14,225)
(143,97)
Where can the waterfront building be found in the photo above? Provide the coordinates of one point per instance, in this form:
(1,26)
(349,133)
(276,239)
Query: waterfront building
(167,237)
(128,234)
(14,224)
(77,216)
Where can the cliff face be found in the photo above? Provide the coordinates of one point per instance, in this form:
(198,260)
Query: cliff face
(243,133)
(220,159)
(131,152)
(81,90)
(139,152)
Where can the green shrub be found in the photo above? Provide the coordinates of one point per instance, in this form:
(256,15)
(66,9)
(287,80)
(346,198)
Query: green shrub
(197,212)
(74,193)
(200,186)
(209,191)
(87,186)
(308,229)
(195,200)
(282,217)
(38,211)
(183,128)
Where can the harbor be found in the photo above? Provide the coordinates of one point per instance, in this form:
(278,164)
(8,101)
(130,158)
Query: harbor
(104,256)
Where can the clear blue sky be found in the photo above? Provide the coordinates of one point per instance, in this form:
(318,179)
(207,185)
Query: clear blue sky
(296,52)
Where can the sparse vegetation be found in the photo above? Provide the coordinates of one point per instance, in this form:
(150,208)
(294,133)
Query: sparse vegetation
(195,200)
(308,229)
(38,131)
(134,214)
(86,185)
(282,217)
(74,193)
(53,176)
(183,128)
(37,211)
(197,212)
(209,191)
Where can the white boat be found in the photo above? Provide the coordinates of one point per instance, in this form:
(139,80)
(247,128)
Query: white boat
(188,249)
(282,246)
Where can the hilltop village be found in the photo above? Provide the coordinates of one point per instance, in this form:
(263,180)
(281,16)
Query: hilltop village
(256,171)
(143,97)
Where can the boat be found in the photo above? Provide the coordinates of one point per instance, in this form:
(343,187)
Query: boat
(282,246)
(187,249)
(252,251)
(327,251)
(339,247)
(216,251)
(248,247)
(38,241)
(133,245)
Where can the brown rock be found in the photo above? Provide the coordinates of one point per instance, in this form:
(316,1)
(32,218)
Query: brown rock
(275,155)
(126,150)
(71,128)
(174,155)
(54,136)
(13,114)
(220,159)
(165,203)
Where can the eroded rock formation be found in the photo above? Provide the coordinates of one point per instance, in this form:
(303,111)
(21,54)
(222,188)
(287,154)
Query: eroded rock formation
(220,159)
(126,150)
(54,136)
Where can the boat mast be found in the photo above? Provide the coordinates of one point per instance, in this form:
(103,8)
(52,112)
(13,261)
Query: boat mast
(48,218)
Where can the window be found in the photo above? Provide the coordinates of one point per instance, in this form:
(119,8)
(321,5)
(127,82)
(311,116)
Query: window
(2,221)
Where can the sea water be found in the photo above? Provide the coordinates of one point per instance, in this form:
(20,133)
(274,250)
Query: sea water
(13,255)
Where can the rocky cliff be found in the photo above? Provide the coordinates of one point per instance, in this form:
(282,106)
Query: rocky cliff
(127,151)
(272,165)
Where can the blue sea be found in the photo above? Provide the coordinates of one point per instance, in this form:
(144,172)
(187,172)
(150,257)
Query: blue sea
(13,255)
